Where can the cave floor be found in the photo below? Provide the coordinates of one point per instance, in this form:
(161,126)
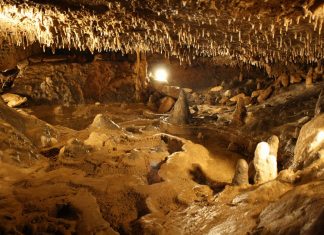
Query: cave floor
(105,178)
(112,168)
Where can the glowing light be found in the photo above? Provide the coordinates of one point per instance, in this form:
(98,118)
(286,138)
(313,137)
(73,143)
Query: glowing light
(161,75)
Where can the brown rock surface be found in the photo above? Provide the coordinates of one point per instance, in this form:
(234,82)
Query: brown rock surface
(309,143)
(180,113)
(166,104)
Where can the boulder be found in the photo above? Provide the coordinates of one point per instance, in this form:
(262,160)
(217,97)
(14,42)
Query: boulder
(172,91)
(246,99)
(284,80)
(255,93)
(13,100)
(295,78)
(236,98)
(309,143)
(216,89)
(96,140)
(264,94)
(166,104)
(227,93)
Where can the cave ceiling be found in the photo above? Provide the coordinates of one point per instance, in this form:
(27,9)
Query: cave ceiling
(251,31)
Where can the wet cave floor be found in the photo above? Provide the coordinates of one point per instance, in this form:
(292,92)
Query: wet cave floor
(105,176)
(121,168)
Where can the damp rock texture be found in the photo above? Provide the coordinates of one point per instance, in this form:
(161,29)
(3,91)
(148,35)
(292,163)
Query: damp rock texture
(241,176)
(180,113)
(282,31)
(310,143)
(265,164)
(71,83)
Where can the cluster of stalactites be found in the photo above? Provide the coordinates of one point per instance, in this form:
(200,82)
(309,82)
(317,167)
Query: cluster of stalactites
(250,39)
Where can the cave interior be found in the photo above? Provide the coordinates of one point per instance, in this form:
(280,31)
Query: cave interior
(161,117)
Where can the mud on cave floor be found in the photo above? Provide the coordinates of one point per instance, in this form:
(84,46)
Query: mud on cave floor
(132,179)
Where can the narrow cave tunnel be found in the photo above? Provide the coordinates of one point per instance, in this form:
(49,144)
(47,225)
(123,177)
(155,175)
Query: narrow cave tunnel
(161,117)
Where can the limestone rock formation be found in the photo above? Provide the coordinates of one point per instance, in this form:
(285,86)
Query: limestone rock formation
(180,114)
(309,77)
(306,204)
(319,104)
(264,94)
(237,70)
(284,80)
(13,100)
(39,132)
(273,142)
(239,112)
(103,122)
(265,164)
(166,104)
(97,140)
(216,89)
(295,78)
(241,176)
(310,143)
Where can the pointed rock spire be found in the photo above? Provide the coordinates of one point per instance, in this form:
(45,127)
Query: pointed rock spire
(180,113)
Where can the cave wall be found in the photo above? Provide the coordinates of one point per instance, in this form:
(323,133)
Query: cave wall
(10,55)
(62,80)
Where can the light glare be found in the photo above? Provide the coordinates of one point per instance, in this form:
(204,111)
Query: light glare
(161,75)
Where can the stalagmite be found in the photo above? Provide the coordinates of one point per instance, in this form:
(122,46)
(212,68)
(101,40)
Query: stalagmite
(241,173)
(309,77)
(239,112)
(273,142)
(260,163)
(180,114)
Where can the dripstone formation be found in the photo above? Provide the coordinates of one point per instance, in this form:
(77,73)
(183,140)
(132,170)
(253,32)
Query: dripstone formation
(180,114)
(241,176)
(115,117)
(265,164)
